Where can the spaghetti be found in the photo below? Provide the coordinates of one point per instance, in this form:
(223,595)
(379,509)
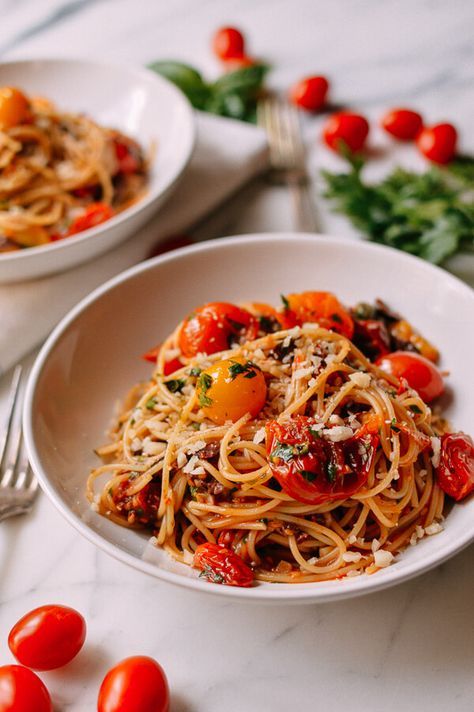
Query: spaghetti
(291,452)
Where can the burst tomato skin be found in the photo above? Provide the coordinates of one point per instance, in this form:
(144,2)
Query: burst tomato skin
(403,124)
(22,691)
(14,108)
(310,93)
(221,565)
(228,43)
(136,684)
(346,129)
(216,327)
(420,374)
(321,307)
(95,214)
(456,467)
(438,143)
(47,637)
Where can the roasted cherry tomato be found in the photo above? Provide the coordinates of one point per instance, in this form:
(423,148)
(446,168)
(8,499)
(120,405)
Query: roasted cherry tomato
(314,470)
(371,337)
(128,161)
(228,43)
(420,374)
(403,124)
(94,214)
(321,307)
(310,93)
(270,320)
(136,684)
(169,367)
(438,143)
(346,130)
(14,108)
(47,637)
(219,564)
(456,465)
(22,691)
(216,327)
(231,388)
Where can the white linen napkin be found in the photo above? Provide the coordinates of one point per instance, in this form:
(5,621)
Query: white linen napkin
(228,153)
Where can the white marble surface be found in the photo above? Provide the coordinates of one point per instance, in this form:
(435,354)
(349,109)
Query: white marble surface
(410,648)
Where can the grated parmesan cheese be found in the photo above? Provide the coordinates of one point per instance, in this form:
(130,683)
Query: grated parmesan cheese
(195,447)
(338,433)
(434,528)
(353,572)
(193,462)
(360,379)
(181,459)
(259,436)
(375,545)
(383,558)
(352,556)
(352,539)
(436,445)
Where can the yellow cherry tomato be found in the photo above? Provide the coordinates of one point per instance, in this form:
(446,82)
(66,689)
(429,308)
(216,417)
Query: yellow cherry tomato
(14,107)
(231,388)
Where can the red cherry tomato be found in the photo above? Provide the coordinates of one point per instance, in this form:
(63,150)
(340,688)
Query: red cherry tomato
(404,124)
(169,367)
(346,130)
(136,684)
(456,465)
(310,93)
(235,63)
(228,43)
(127,161)
(47,637)
(94,214)
(321,307)
(214,327)
(219,564)
(22,691)
(438,143)
(420,373)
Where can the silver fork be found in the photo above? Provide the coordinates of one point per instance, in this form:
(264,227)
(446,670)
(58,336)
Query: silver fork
(287,157)
(18,485)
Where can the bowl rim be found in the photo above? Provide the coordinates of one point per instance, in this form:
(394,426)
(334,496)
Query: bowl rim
(318,592)
(151,196)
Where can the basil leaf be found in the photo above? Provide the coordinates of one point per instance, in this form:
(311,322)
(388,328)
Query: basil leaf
(186,78)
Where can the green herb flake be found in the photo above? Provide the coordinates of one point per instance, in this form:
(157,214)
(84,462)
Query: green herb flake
(150,404)
(249,369)
(415,409)
(315,433)
(204,383)
(393,425)
(285,301)
(308,475)
(331,472)
(336,317)
(282,451)
(195,371)
(196,426)
(176,385)
(211,575)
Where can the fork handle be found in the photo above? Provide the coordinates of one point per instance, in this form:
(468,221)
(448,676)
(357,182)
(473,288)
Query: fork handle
(303,206)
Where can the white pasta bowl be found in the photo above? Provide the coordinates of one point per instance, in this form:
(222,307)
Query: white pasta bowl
(133,100)
(93,358)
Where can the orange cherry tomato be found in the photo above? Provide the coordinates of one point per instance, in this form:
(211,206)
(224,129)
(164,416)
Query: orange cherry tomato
(420,374)
(270,320)
(231,388)
(438,143)
(321,307)
(228,43)
(93,215)
(456,466)
(403,124)
(219,564)
(136,684)
(310,93)
(47,637)
(22,691)
(346,130)
(14,108)
(214,327)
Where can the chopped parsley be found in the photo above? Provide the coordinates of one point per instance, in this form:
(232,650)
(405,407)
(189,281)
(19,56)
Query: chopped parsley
(195,371)
(393,425)
(268,325)
(249,369)
(331,472)
(308,475)
(196,426)
(150,404)
(176,385)
(285,301)
(336,317)
(211,575)
(314,433)
(286,452)
(204,383)
(415,409)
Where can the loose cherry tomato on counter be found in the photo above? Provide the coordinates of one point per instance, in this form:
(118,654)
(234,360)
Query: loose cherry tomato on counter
(235,63)
(94,214)
(420,373)
(456,466)
(438,143)
(403,124)
(136,684)
(228,43)
(219,564)
(310,93)
(231,388)
(314,470)
(346,130)
(14,108)
(22,691)
(214,327)
(47,637)
(321,307)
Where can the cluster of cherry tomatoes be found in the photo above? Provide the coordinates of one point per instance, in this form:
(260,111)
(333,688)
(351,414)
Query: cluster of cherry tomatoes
(48,638)
(346,129)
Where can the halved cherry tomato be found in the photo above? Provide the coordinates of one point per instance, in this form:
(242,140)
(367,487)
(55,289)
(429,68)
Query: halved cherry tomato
(310,93)
(22,691)
(214,327)
(47,637)
(403,124)
(438,143)
(219,564)
(321,307)
(228,43)
(94,214)
(136,684)
(314,470)
(231,388)
(14,108)
(456,465)
(420,373)
(127,161)
(346,130)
